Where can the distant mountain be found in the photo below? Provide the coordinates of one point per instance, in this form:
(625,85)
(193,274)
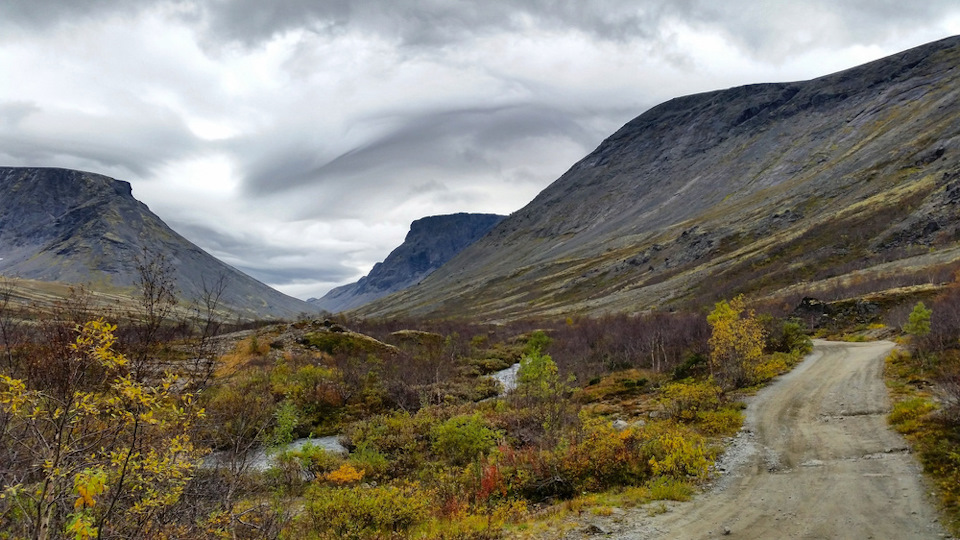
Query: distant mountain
(80,227)
(754,189)
(431,242)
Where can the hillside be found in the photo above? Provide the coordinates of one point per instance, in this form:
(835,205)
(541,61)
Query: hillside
(431,242)
(78,227)
(751,189)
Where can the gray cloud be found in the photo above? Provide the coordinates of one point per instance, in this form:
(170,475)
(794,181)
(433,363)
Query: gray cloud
(760,27)
(774,30)
(260,259)
(441,22)
(134,144)
(48,13)
(445,143)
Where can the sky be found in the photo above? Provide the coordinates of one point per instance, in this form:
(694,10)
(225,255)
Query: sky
(298,139)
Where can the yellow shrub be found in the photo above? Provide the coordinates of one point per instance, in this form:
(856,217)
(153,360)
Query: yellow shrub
(686,400)
(905,414)
(726,421)
(678,454)
(768,368)
(346,474)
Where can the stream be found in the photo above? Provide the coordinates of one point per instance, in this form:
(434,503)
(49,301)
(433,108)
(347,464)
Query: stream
(261,460)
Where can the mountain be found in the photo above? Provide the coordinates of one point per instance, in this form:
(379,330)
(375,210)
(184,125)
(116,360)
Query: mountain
(431,242)
(761,189)
(80,227)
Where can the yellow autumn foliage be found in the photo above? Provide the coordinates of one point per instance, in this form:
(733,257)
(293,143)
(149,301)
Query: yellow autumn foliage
(346,474)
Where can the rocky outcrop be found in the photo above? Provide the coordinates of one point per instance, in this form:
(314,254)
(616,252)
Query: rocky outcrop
(79,227)
(749,189)
(431,242)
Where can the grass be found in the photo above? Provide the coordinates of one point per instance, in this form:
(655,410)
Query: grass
(934,440)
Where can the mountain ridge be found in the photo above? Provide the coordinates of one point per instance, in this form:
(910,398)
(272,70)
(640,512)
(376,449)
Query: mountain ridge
(86,228)
(430,242)
(701,189)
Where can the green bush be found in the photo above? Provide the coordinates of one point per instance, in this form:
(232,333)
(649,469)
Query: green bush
(919,323)
(400,437)
(373,464)
(787,336)
(694,365)
(462,439)
(314,459)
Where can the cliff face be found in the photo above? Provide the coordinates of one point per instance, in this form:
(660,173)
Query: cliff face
(79,227)
(750,189)
(431,242)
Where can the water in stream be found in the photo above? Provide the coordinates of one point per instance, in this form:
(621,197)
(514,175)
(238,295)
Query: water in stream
(262,461)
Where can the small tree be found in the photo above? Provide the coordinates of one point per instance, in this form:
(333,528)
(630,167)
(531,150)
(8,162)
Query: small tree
(919,323)
(155,280)
(100,455)
(541,390)
(736,343)
(209,321)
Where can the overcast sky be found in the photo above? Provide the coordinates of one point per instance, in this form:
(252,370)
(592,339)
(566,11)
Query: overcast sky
(297,139)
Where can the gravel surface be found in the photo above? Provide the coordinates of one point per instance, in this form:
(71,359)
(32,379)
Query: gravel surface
(815,459)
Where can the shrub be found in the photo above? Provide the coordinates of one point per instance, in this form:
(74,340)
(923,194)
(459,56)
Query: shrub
(770,366)
(726,421)
(692,366)
(346,474)
(371,462)
(788,336)
(400,437)
(462,439)
(905,414)
(678,454)
(685,400)
(291,466)
(361,512)
(314,459)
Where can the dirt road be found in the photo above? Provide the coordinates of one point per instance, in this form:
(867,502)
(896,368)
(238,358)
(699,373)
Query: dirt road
(816,460)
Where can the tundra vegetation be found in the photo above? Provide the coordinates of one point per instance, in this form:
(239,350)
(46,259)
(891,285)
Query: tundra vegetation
(104,431)
(924,378)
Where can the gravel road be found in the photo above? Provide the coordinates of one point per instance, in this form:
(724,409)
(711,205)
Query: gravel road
(815,460)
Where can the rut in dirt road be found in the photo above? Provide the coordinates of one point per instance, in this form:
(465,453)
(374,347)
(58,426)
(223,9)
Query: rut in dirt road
(816,460)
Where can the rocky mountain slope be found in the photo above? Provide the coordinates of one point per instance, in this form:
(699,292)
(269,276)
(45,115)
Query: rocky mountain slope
(431,242)
(79,227)
(753,189)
